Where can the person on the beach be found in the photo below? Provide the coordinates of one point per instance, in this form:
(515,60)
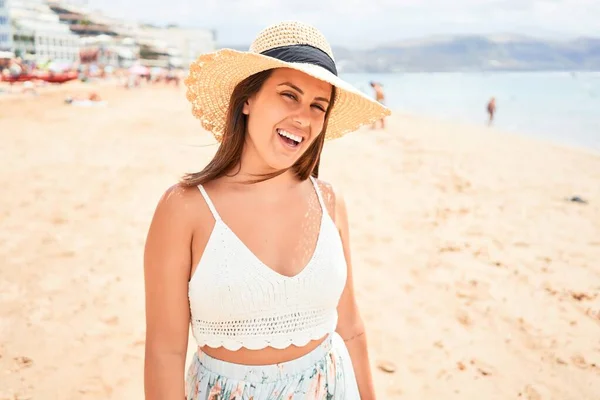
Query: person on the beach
(16,67)
(254,250)
(491,109)
(92,97)
(380,97)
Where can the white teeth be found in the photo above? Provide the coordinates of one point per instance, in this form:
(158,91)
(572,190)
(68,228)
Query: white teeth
(295,138)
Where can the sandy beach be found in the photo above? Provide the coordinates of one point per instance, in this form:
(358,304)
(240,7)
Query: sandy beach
(476,277)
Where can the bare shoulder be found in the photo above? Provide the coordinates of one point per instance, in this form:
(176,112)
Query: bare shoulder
(334,201)
(180,208)
(171,231)
(178,200)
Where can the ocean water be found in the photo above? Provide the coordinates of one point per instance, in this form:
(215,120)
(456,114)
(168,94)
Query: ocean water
(562,107)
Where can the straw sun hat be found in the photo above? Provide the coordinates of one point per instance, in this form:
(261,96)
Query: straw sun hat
(213,77)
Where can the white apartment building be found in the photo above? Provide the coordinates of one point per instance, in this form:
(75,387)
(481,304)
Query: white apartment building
(180,45)
(37,33)
(5,27)
(191,42)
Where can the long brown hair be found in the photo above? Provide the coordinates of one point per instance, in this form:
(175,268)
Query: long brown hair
(229,153)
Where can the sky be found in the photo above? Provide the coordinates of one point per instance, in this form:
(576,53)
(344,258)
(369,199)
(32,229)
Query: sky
(363,23)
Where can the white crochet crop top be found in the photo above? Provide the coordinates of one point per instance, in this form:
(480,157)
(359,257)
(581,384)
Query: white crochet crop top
(237,301)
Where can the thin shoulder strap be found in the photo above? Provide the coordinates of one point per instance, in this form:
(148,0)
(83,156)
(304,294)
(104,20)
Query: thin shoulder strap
(319,196)
(209,203)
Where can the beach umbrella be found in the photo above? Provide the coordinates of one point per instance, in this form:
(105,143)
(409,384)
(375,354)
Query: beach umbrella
(58,66)
(138,70)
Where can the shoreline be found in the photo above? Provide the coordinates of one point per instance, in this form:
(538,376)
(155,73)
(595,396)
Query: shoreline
(566,115)
(528,136)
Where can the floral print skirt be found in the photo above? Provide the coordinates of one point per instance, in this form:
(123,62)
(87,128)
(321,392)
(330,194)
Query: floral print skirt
(324,373)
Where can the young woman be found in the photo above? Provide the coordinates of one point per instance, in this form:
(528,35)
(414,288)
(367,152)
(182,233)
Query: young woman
(253,251)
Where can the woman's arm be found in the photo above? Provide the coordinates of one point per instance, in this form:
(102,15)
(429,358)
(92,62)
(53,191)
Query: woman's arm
(350,324)
(167,262)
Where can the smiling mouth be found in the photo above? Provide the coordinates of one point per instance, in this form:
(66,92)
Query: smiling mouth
(289,138)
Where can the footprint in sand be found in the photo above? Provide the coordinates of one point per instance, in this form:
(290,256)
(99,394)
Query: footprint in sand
(482,367)
(550,290)
(595,314)
(473,290)
(112,321)
(23,362)
(449,248)
(59,220)
(463,318)
(387,366)
(579,361)
(580,296)
(535,392)
(531,393)
(560,361)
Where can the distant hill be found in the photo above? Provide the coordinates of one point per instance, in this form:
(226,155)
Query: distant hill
(476,53)
(472,53)
(240,47)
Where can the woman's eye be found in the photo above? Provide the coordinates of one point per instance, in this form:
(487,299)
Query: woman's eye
(295,98)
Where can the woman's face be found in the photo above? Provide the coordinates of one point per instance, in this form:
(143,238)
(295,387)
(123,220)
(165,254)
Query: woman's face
(285,117)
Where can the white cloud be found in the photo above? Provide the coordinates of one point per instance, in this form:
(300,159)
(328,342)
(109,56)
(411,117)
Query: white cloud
(362,22)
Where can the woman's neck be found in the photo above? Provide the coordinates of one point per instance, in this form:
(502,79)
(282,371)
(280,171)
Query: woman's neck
(242,177)
(251,169)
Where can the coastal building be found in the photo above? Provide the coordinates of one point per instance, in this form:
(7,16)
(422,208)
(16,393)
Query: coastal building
(81,21)
(166,47)
(37,33)
(191,42)
(60,30)
(104,40)
(109,51)
(5,28)
(173,46)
